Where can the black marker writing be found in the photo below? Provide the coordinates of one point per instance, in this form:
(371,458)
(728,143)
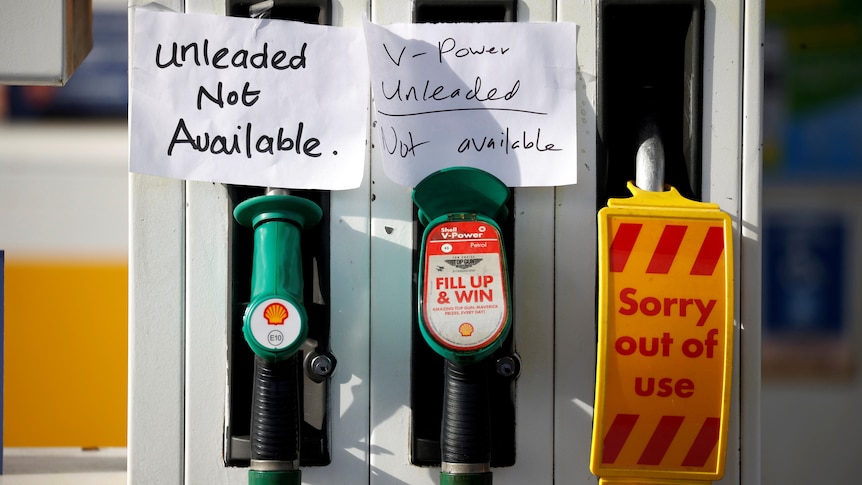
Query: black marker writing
(246,141)
(248,97)
(224,58)
(442,93)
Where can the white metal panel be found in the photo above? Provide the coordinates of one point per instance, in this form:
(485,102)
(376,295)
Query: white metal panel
(533,317)
(207,319)
(391,267)
(575,326)
(156,333)
(533,320)
(750,243)
(349,339)
(216,7)
(350,326)
(722,166)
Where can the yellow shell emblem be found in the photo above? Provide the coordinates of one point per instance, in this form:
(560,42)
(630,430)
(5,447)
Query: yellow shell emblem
(275,314)
(465,329)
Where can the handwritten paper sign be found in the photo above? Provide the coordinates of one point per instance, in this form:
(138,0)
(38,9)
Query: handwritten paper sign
(248,101)
(498,96)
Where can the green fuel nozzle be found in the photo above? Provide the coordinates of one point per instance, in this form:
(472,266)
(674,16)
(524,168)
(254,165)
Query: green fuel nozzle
(275,326)
(464,303)
(275,323)
(464,296)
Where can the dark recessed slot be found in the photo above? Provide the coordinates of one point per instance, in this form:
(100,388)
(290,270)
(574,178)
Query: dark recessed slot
(430,11)
(307,11)
(650,64)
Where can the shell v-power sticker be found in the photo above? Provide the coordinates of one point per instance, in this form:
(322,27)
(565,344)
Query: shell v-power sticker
(665,340)
(465,286)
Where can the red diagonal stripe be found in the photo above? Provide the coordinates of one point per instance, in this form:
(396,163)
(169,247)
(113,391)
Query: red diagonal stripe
(617,435)
(665,251)
(660,440)
(703,444)
(621,247)
(710,252)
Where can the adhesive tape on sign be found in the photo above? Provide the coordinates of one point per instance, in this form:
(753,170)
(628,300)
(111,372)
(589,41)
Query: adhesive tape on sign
(275,323)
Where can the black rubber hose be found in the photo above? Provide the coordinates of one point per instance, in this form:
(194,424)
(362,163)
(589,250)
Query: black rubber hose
(275,410)
(465,431)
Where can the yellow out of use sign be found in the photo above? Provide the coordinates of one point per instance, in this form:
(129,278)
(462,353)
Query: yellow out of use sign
(665,340)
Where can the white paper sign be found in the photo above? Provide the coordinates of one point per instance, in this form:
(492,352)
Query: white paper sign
(495,96)
(248,101)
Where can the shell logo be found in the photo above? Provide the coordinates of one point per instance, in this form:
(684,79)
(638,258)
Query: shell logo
(465,329)
(275,314)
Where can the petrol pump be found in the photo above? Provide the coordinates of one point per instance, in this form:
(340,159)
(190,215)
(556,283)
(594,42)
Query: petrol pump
(463,259)
(419,396)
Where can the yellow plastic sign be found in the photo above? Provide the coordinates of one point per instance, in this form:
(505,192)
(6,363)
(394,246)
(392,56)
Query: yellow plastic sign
(665,340)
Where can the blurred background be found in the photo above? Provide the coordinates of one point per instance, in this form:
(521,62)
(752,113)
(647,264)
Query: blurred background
(63,230)
(812,242)
(64,224)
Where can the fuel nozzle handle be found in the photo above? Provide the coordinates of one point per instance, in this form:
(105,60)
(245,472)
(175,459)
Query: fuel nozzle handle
(274,437)
(465,434)
(275,321)
(275,326)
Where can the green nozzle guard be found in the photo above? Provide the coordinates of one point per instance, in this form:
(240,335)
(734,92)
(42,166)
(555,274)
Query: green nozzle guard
(275,322)
(461,190)
(303,212)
